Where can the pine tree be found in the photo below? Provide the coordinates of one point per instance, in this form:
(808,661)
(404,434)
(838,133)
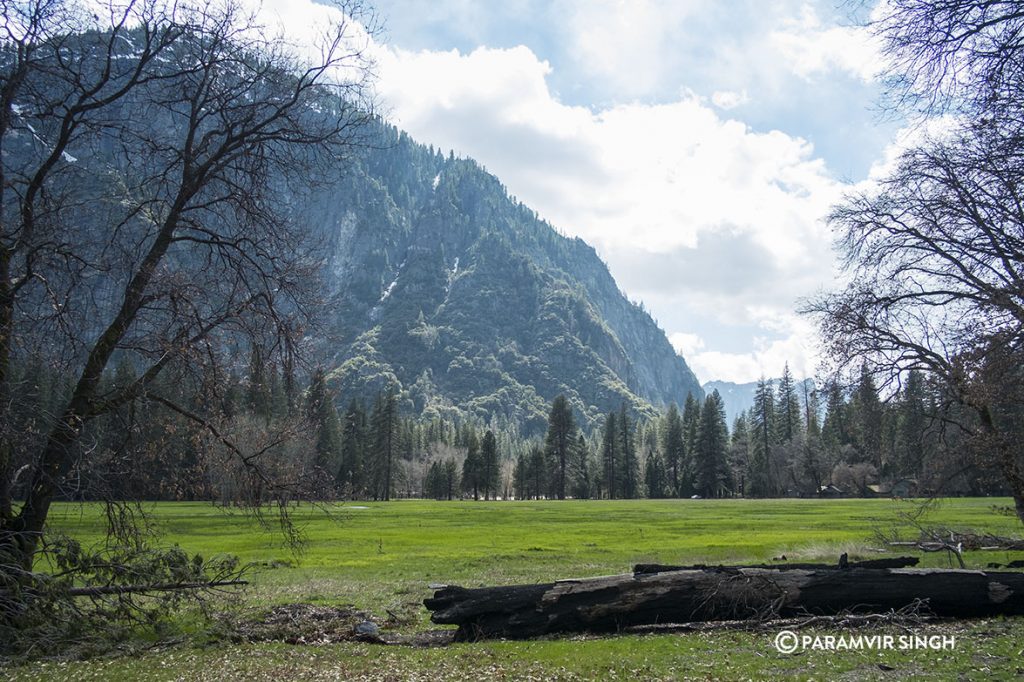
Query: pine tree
(610,457)
(581,484)
(536,473)
(815,464)
(472,466)
(762,422)
(740,450)
(709,453)
(520,478)
(323,418)
(627,450)
(835,431)
(889,438)
(787,409)
(674,447)
(561,437)
(912,425)
(434,486)
(353,449)
(867,420)
(691,422)
(451,477)
(385,425)
(489,471)
(655,478)
(812,410)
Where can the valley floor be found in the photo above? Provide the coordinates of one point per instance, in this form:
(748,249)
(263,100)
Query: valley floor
(381,557)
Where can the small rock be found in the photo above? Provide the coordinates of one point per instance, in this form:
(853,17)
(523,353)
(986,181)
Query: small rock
(367,629)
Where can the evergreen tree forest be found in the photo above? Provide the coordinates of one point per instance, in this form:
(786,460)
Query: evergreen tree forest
(794,441)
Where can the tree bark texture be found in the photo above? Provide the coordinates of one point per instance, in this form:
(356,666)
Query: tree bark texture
(611,603)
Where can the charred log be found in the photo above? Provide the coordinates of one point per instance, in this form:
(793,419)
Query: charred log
(613,603)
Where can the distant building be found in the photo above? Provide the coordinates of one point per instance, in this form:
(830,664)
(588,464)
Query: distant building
(829,491)
(902,487)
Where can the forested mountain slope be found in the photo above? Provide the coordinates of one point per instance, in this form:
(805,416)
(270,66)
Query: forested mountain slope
(444,286)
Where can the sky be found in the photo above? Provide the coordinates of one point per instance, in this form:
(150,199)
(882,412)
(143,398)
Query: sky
(696,144)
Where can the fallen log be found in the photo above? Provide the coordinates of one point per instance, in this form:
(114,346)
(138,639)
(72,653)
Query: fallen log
(894,562)
(613,603)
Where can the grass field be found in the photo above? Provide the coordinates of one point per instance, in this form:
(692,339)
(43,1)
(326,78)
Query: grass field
(381,557)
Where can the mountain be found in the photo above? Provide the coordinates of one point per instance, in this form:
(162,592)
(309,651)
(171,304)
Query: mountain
(444,286)
(740,397)
(437,282)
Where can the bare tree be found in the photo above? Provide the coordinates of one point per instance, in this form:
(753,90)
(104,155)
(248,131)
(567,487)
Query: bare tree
(935,253)
(150,157)
(955,56)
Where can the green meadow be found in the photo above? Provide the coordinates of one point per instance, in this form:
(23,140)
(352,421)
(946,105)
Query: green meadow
(381,558)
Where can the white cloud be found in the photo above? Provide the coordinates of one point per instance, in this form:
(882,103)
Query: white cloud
(687,345)
(655,175)
(509,83)
(813,49)
(767,358)
(624,43)
(675,197)
(729,99)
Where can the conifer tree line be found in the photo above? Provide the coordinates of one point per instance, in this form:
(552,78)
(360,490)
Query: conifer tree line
(352,450)
(851,440)
(795,440)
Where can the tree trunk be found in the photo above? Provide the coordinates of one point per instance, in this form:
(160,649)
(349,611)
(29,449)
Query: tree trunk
(6,329)
(1012,473)
(25,530)
(610,603)
(1009,461)
(22,533)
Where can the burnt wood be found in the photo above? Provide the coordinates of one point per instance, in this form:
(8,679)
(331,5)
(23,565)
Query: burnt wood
(611,603)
